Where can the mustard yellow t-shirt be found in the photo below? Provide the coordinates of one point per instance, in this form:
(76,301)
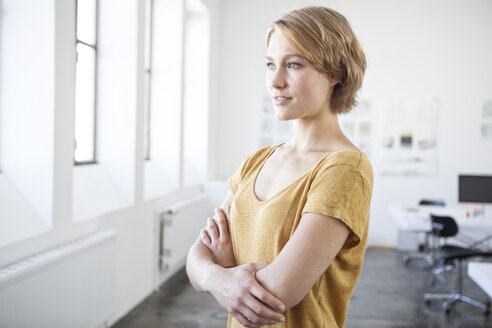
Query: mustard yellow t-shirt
(340,186)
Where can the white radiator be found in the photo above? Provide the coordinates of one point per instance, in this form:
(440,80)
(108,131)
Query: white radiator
(180,225)
(69,286)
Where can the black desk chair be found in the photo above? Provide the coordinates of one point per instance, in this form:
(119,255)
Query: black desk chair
(432,202)
(425,252)
(451,257)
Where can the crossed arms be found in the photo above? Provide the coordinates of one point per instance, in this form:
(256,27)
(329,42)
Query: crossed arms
(257,294)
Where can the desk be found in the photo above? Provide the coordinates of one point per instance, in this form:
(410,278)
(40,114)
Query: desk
(417,218)
(481,273)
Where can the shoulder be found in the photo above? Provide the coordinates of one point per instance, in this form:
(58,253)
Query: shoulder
(260,153)
(255,159)
(262,150)
(349,162)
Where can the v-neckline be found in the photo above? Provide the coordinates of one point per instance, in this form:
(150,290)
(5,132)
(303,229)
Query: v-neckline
(289,185)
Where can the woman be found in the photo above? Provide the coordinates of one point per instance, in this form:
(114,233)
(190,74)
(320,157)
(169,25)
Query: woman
(291,250)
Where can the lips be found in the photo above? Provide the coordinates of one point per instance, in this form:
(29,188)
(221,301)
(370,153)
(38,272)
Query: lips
(281,100)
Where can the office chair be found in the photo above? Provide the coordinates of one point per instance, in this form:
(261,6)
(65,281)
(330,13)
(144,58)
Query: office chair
(425,252)
(432,202)
(451,257)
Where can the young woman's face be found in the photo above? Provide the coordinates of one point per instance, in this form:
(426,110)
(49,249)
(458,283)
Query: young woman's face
(297,89)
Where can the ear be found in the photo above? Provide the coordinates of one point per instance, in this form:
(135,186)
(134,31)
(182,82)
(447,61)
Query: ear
(333,81)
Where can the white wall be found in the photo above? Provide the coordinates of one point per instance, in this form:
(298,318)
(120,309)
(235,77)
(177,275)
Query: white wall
(416,50)
(134,223)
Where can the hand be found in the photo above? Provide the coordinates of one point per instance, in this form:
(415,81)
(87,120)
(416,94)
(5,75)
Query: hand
(218,240)
(237,291)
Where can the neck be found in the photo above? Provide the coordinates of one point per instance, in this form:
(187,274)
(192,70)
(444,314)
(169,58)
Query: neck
(320,133)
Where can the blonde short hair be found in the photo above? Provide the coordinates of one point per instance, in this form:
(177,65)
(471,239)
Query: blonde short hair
(325,38)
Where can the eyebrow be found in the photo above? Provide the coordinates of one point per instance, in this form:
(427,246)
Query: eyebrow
(287,57)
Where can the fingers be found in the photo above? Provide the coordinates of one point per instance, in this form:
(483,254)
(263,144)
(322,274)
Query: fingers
(267,298)
(221,222)
(261,293)
(260,313)
(228,217)
(243,320)
(251,319)
(205,238)
(243,298)
(227,212)
(212,230)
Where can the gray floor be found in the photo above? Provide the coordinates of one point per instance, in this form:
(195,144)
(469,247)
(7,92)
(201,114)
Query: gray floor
(388,295)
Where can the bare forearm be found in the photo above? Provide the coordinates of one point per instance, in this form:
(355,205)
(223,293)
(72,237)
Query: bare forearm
(304,258)
(198,264)
(289,294)
(235,288)
(266,277)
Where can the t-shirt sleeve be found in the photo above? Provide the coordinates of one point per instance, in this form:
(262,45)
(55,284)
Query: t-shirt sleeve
(340,191)
(238,176)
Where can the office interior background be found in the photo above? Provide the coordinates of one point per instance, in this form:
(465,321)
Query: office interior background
(109,131)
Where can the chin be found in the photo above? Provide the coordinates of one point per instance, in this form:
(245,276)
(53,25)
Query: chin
(283,116)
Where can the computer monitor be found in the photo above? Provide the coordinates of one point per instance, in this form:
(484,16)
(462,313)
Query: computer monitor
(475,189)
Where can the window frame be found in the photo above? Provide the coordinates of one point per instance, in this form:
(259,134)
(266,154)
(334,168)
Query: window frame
(77,41)
(149,19)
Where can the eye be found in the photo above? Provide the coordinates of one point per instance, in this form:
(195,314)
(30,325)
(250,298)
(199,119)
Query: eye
(270,66)
(294,65)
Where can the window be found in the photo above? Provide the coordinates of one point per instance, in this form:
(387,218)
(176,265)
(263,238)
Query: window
(148,76)
(1,16)
(27,103)
(162,171)
(85,83)
(178,130)
(195,93)
(109,183)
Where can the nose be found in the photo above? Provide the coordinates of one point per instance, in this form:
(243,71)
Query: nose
(278,78)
